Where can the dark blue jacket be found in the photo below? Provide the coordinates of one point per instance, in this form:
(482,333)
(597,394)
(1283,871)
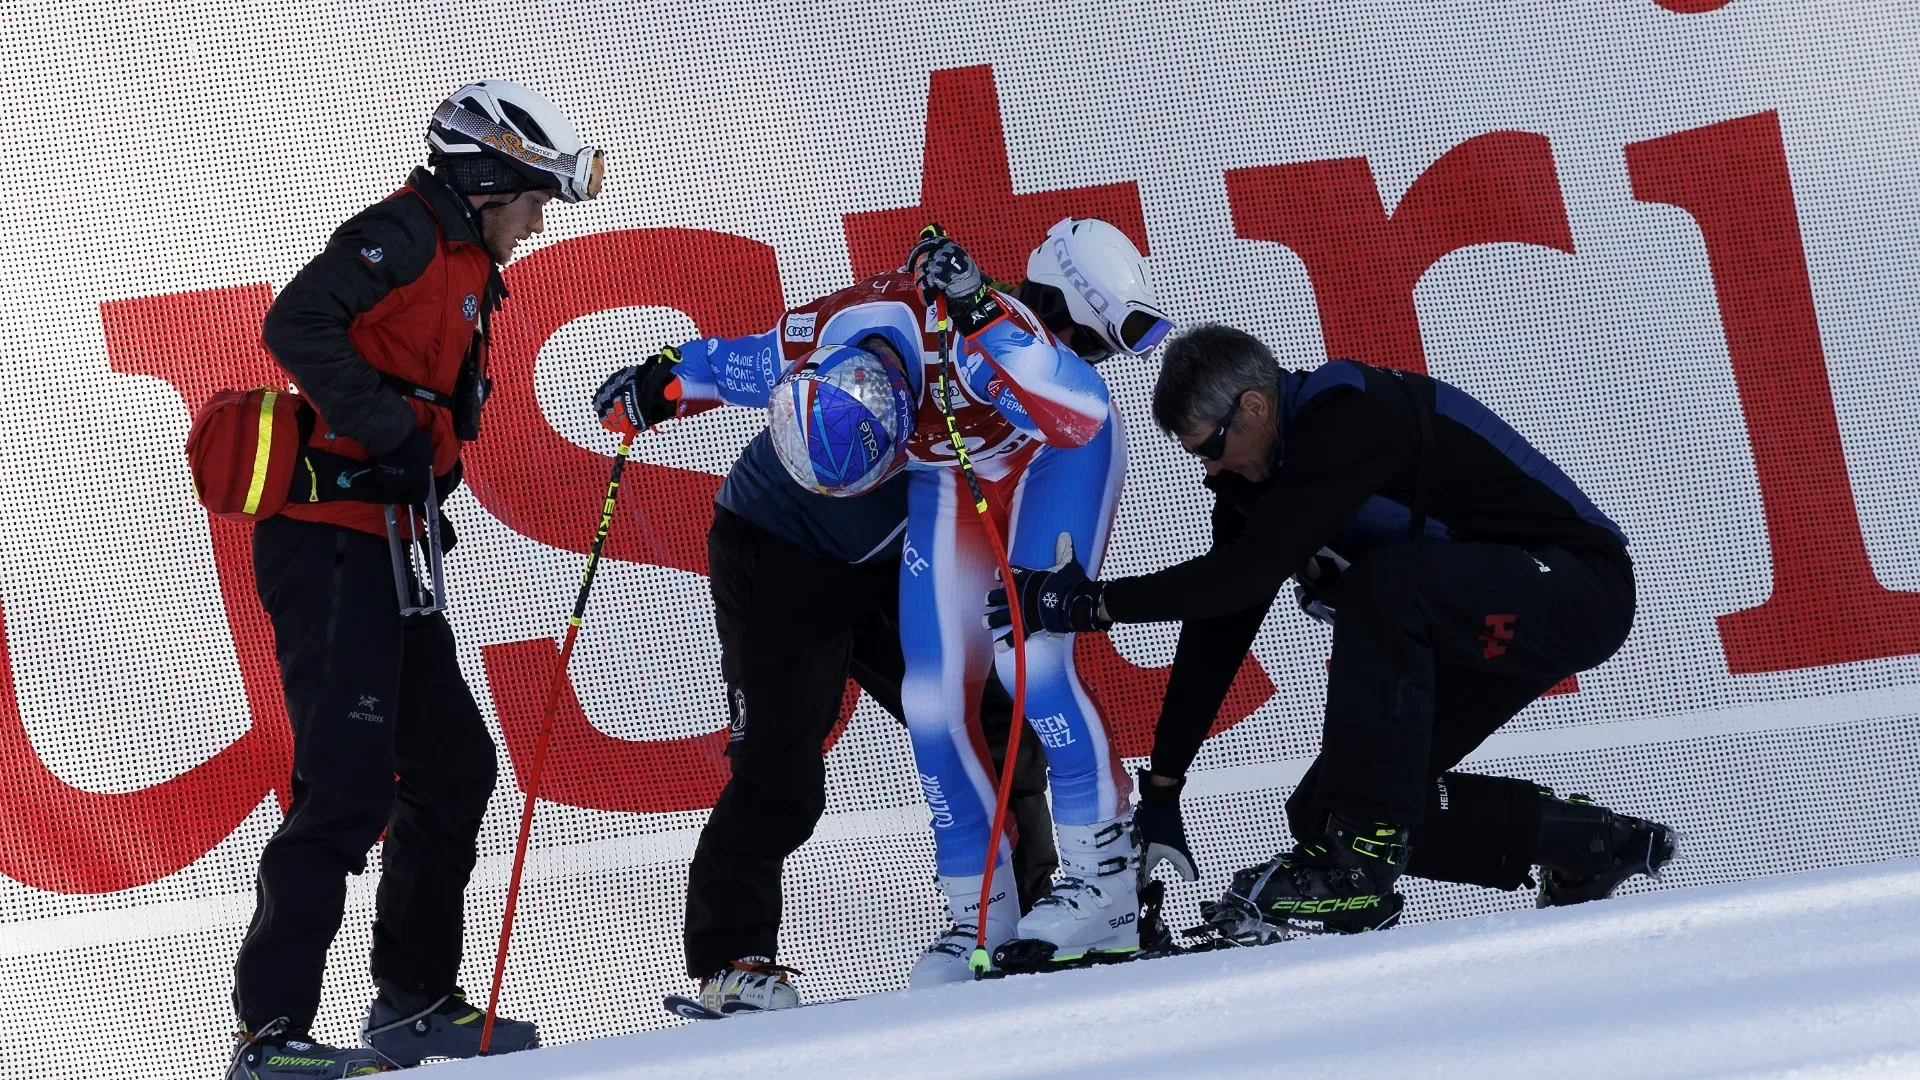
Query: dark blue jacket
(850,530)
(1347,462)
(1345,470)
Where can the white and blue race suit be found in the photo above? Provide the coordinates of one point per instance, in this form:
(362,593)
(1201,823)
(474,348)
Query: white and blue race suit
(1050,455)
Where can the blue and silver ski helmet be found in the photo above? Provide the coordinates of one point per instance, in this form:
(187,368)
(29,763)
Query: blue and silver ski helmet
(841,419)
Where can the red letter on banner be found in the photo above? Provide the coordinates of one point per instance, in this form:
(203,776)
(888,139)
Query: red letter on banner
(967,186)
(1826,606)
(1500,187)
(57,837)
(547,488)
(1495,188)
(200,343)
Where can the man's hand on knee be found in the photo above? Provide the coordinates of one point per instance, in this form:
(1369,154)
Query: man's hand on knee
(1157,821)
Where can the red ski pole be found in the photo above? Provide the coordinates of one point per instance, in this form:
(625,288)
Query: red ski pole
(546,732)
(980,962)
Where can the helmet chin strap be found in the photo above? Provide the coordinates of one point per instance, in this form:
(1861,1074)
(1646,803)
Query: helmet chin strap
(495,201)
(1047,302)
(477,215)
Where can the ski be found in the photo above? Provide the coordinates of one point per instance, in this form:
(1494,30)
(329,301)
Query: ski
(1025,956)
(1030,957)
(689,1009)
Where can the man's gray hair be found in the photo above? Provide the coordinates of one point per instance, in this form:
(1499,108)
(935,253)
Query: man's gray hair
(1203,371)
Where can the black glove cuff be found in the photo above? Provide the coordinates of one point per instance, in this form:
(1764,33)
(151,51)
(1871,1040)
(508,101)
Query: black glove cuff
(1098,592)
(650,386)
(971,317)
(1159,794)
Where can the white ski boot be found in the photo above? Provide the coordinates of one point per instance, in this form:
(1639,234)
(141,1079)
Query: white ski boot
(945,961)
(1095,908)
(749,984)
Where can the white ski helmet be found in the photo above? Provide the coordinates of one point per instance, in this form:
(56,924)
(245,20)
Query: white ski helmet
(498,136)
(1103,279)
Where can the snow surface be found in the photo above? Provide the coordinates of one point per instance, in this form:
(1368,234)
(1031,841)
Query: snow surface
(1805,975)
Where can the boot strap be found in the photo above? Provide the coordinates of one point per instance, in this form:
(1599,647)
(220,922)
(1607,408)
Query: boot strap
(405,1021)
(1393,853)
(765,967)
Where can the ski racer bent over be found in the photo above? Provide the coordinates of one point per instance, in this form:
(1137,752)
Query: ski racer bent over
(385,334)
(1051,458)
(1464,575)
(805,593)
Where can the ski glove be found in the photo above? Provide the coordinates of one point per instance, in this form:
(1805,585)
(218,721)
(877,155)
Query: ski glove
(403,475)
(942,267)
(1162,834)
(635,398)
(1058,601)
(1321,572)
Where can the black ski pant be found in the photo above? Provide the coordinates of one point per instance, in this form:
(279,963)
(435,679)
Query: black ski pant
(386,736)
(1435,645)
(793,626)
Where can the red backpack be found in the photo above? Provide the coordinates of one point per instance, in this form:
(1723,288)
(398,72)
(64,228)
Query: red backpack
(244,448)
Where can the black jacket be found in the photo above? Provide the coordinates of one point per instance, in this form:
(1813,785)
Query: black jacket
(1347,464)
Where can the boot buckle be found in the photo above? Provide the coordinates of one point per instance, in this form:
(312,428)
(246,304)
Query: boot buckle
(1393,853)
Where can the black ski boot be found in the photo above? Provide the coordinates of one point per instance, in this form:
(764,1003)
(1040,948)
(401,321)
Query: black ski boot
(408,1030)
(275,1053)
(1341,884)
(1586,851)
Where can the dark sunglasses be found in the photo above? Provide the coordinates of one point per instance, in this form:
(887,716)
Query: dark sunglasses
(1214,445)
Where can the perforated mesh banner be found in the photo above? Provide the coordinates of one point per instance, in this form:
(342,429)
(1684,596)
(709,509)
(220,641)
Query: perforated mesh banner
(1672,243)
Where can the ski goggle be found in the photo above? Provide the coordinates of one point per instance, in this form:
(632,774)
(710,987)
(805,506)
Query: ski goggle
(1050,305)
(1141,329)
(578,175)
(1138,329)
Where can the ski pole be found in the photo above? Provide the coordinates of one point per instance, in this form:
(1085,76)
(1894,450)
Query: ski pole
(980,962)
(546,731)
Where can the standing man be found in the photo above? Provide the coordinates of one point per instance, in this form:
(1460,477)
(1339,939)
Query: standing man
(1464,575)
(385,332)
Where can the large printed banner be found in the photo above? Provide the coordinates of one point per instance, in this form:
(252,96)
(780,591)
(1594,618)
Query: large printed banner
(1672,243)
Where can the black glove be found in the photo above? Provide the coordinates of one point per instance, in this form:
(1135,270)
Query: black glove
(1157,822)
(942,267)
(634,399)
(1311,605)
(444,486)
(448,482)
(1059,601)
(405,474)
(1322,572)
